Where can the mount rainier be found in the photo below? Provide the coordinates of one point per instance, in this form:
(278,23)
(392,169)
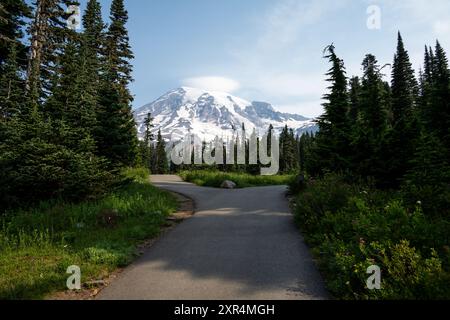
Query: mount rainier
(208,114)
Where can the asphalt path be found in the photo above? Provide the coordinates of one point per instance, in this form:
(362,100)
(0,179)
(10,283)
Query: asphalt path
(240,245)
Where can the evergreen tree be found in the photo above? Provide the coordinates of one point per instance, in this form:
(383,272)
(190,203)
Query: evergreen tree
(162,164)
(428,179)
(243,146)
(373,113)
(372,121)
(92,51)
(36,165)
(269,140)
(332,151)
(94,40)
(305,145)
(253,168)
(147,143)
(117,134)
(355,91)
(439,109)
(73,100)
(50,149)
(404,131)
(118,49)
(48,35)
(296,148)
(11,86)
(288,151)
(404,86)
(428,64)
(284,149)
(13,15)
(387,101)
(426,86)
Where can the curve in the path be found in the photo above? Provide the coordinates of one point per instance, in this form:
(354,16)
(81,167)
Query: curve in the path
(241,244)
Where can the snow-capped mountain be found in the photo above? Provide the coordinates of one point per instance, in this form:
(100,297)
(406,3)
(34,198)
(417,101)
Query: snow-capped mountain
(208,114)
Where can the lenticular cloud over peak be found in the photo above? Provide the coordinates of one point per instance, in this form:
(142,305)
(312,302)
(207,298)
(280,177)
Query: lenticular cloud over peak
(213,83)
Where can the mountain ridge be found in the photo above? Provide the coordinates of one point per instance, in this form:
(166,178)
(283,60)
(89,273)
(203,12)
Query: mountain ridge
(208,114)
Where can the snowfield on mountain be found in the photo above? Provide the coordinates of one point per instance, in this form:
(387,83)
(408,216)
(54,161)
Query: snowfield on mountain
(210,114)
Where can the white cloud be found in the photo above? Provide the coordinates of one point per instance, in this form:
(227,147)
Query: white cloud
(284,22)
(282,62)
(442,28)
(289,19)
(290,92)
(421,23)
(420,14)
(310,109)
(291,84)
(275,63)
(212,83)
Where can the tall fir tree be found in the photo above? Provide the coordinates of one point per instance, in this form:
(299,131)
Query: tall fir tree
(117,134)
(372,108)
(404,86)
(48,35)
(439,109)
(94,28)
(146,145)
(92,54)
(288,151)
(51,151)
(13,16)
(73,100)
(253,154)
(11,86)
(162,163)
(370,126)
(332,149)
(400,142)
(354,96)
(94,40)
(305,144)
(13,55)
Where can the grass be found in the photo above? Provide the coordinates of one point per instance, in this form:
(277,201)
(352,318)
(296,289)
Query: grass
(215,179)
(38,245)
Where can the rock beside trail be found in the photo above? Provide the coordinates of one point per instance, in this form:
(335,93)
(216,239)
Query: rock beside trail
(228,185)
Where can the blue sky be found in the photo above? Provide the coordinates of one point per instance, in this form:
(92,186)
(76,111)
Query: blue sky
(269,50)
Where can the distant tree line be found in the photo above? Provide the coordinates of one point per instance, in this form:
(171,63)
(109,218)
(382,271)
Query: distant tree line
(156,158)
(66,124)
(153,152)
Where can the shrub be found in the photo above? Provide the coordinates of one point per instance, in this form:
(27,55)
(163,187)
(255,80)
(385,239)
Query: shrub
(243,180)
(351,228)
(298,184)
(321,197)
(37,167)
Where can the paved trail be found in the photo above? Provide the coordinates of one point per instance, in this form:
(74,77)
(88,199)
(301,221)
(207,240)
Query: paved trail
(241,244)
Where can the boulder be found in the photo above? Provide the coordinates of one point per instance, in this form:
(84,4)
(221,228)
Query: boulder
(298,184)
(228,185)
